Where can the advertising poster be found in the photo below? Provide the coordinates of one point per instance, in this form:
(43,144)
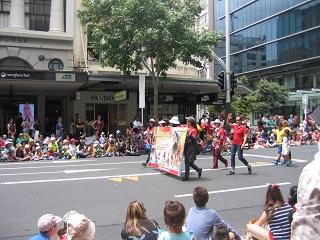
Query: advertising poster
(168,146)
(27,109)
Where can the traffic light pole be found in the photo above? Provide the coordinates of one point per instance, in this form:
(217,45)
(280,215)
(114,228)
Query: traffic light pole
(228,96)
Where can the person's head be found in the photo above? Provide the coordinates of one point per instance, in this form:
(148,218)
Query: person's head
(280,126)
(79,227)
(27,118)
(220,233)
(238,121)
(174,214)
(285,123)
(274,196)
(286,132)
(4,137)
(135,212)
(293,195)
(217,123)
(47,224)
(59,120)
(200,196)
(10,120)
(191,121)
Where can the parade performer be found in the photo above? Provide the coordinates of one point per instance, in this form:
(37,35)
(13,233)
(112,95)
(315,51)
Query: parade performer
(219,139)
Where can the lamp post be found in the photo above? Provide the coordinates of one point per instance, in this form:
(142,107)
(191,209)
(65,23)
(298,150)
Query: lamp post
(228,98)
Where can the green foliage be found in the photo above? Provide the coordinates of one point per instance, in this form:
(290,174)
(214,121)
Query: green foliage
(151,34)
(243,105)
(270,96)
(244,80)
(216,110)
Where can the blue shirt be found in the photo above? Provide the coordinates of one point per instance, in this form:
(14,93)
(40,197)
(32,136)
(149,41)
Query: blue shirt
(202,220)
(40,236)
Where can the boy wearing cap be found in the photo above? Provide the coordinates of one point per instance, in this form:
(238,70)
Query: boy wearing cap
(47,225)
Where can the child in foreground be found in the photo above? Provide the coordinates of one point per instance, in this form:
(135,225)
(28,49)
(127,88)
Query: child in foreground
(174,217)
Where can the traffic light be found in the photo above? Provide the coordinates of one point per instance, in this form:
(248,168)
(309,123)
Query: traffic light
(233,83)
(221,81)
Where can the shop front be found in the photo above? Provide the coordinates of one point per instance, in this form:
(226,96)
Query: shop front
(115,112)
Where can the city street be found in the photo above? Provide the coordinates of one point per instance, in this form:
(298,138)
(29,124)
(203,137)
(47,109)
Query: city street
(102,188)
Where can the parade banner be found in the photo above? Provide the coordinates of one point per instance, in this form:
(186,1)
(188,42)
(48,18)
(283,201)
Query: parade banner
(167,149)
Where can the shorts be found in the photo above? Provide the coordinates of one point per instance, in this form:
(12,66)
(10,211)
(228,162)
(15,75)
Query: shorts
(279,148)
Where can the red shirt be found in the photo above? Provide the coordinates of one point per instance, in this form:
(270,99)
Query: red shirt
(222,136)
(238,134)
(193,131)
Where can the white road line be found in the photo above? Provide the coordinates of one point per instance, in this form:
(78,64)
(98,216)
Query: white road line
(73,165)
(231,190)
(78,179)
(258,156)
(65,171)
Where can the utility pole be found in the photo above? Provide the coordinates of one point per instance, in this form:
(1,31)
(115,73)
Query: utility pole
(228,97)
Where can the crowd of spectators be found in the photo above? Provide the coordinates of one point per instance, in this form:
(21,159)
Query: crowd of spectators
(23,145)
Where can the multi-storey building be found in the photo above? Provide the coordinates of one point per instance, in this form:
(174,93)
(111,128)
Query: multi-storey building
(47,70)
(277,40)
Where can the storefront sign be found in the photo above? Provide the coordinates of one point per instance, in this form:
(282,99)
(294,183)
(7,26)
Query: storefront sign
(206,98)
(102,98)
(121,96)
(8,74)
(13,39)
(66,77)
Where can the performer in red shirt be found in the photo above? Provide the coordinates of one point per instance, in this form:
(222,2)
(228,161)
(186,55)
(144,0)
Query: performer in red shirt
(238,143)
(219,139)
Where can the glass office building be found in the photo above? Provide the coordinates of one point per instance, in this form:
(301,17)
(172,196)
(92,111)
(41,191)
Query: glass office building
(277,40)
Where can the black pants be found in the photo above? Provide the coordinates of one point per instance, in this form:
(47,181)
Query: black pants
(187,168)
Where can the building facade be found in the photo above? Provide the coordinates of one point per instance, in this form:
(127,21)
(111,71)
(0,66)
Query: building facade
(277,40)
(47,67)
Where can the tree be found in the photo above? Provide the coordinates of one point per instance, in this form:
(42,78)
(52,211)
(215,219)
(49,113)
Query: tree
(151,34)
(270,96)
(243,105)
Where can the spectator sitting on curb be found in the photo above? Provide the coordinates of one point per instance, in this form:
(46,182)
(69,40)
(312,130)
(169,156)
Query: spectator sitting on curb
(47,225)
(202,220)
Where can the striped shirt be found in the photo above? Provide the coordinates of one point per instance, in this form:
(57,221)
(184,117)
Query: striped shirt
(279,222)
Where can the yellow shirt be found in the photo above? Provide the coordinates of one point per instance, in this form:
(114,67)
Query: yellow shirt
(280,134)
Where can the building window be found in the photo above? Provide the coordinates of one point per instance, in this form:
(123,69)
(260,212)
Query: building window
(37,14)
(202,20)
(55,64)
(202,2)
(14,63)
(4,13)
(91,41)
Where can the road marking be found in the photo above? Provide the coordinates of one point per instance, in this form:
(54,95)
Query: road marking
(72,165)
(78,179)
(134,178)
(65,171)
(231,190)
(116,179)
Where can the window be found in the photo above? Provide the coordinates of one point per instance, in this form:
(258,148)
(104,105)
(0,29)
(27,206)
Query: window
(55,64)
(37,14)
(202,20)
(4,13)
(91,41)
(14,63)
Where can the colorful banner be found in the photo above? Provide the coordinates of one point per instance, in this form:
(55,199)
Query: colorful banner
(167,151)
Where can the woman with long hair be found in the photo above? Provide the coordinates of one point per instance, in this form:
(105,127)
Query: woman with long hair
(137,225)
(276,213)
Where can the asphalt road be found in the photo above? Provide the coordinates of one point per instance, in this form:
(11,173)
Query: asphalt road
(102,188)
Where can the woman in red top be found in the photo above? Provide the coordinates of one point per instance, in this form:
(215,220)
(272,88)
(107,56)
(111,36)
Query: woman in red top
(238,143)
(190,149)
